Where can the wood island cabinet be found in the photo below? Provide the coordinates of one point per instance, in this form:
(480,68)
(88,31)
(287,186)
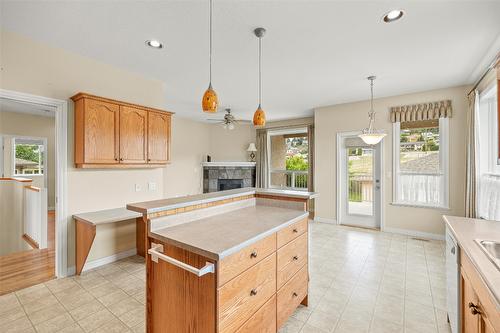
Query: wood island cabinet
(479,313)
(114,134)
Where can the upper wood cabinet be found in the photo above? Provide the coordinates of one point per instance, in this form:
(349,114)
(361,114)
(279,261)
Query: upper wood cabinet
(114,134)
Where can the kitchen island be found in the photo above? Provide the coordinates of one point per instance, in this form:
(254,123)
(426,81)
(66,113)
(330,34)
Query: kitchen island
(231,261)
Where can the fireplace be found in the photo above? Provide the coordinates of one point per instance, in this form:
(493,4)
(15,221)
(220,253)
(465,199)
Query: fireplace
(220,176)
(229,184)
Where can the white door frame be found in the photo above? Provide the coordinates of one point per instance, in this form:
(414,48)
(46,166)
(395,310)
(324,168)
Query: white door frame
(62,220)
(381,212)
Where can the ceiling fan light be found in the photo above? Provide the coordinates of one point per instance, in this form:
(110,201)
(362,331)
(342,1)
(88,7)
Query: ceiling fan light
(210,101)
(230,126)
(259,117)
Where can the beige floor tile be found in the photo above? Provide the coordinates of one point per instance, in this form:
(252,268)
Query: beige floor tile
(33,293)
(141,328)
(112,298)
(86,310)
(55,324)
(382,326)
(16,325)
(134,317)
(11,314)
(74,328)
(124,306)
(312,329)
(292,326)
(322,320)
(39,304)
(96,320)
(113,326)
(46,313)
(103,289)
(58,285)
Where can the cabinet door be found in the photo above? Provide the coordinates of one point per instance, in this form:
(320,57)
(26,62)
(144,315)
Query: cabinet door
(133,129)
(158,137)
(486,326)
(470,321)
(101,132)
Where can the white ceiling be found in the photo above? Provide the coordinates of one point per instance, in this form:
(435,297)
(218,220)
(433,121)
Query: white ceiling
(7,105)
(316,53)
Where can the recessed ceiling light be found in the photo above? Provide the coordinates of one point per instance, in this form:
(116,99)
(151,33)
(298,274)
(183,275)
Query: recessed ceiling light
(154,44)
(393,15)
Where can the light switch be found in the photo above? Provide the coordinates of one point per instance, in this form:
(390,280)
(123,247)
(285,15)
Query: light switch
(137,187)
(152,186)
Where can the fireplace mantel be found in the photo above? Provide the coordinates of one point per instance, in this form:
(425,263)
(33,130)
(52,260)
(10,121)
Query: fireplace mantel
(228,164)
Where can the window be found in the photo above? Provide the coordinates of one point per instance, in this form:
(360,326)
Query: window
(29,156)
(421,163)
(488,133)
(288,159)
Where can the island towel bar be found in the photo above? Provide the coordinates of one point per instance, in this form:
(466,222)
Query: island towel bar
(156,253)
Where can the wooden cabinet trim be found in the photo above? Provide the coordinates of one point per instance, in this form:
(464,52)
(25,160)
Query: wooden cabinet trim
(114,101)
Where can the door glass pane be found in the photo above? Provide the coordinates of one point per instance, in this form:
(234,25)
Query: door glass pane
(360,181)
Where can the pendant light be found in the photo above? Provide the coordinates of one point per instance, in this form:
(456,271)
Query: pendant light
(370,135)
(259,117)
(210,101)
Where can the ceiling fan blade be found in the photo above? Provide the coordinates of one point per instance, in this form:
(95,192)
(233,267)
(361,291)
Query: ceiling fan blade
(215,119)
(244,121)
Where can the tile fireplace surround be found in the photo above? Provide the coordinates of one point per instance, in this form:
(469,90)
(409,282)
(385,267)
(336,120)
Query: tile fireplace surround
(219,175)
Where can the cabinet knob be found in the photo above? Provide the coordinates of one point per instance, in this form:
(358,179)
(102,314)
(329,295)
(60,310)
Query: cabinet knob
(149,160)
(295,294)
(116,159)
(253,254)
(121,159)
(295,258)
(473,309)
(295,230)
(253,292)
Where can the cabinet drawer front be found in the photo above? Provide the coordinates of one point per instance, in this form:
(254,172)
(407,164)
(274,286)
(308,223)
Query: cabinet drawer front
(240,298)
(236,263)
(290,296)
(291,258)
(291,232)
(263,321)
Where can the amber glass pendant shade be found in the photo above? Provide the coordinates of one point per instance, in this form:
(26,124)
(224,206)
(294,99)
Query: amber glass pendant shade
(210,101)
(259,117)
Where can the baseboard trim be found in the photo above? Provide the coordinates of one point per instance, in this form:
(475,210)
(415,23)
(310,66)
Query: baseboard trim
(103,261)
(415,233)
(324,220)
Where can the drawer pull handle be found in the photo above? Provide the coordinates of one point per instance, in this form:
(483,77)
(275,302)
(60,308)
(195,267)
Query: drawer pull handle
(253,292)
(473,309)
(253,254)
(295,295)
(156,252)
(295,230)
(295,258)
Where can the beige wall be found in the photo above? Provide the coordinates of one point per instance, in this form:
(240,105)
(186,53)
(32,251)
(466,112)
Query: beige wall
(35,68)
(353,117)
(230,145)
(36,126)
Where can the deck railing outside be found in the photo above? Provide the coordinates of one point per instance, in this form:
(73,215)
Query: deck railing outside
(289,179)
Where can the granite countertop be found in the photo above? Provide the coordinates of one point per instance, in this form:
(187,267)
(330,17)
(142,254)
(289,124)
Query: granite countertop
(148,207)
(466,230)
(107,216)
(221,235)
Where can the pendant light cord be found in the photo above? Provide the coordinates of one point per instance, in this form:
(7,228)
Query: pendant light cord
(210,42)
(371,114)
(260,71)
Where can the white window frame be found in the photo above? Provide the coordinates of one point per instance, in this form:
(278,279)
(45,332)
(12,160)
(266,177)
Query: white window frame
(444,160)
(43,142)
(275,132)
(488,114)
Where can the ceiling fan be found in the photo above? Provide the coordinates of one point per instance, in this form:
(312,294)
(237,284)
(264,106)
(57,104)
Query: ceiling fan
(229,121)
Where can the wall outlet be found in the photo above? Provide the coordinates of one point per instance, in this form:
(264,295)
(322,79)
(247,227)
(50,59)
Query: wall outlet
(152,186)
(137,187)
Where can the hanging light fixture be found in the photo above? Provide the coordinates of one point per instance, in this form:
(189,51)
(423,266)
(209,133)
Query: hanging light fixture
(370,135)
(259,117)
(210,101)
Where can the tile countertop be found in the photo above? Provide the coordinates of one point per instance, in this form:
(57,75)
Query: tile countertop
(466,230)
(221,235)
(107,216)
(148,207)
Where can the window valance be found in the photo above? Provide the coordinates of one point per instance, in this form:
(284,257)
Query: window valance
(423,111)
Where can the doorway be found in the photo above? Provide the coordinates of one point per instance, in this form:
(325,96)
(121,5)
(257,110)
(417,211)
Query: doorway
(359,174)
(38,169)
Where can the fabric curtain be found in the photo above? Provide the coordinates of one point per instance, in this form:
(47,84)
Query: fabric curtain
(422,111)
(262,169)
(310,141)
(472,163)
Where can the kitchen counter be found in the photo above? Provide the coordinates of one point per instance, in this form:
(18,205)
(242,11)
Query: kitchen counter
(154,206)
(466,230)
(221,235)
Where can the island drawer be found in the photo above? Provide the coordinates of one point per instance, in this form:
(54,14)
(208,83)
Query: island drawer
(263,321)
(241,297)
(240,261)
(291,232)
(291,295)
(291,258)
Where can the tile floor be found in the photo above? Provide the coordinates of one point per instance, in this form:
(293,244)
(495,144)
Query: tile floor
(361,281)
